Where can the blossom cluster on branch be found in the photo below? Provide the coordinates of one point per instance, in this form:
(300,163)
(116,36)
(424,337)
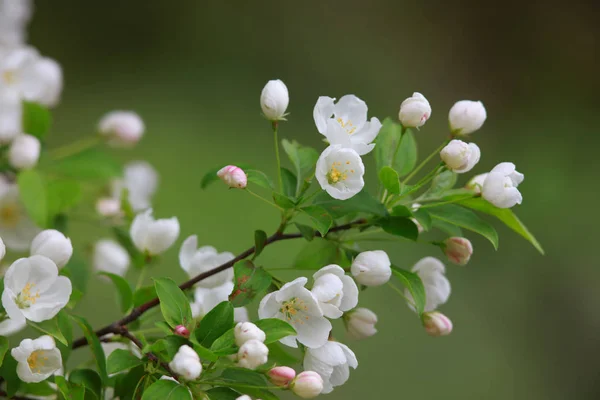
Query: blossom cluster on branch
(234,329)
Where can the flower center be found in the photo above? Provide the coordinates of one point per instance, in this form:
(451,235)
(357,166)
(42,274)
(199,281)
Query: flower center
(292,310)
(10,215)
(25,298)
(37,362)
(336,175)
(347,125)
(8,77)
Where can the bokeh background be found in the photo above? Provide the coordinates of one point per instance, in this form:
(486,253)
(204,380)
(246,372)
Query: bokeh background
(526,326)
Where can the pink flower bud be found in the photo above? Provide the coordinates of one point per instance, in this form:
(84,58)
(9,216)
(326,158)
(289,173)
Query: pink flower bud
(437,324)
(458,250)
(181,330)
(281,376)
(233,176)
(308,384)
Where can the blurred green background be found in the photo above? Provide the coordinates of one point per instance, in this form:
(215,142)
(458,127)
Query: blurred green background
(526,326)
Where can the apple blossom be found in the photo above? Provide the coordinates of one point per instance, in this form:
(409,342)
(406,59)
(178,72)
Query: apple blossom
(296,305)
(9,326)
(332,362)
(240,314)
(458,250)
(153,236)
(205,299)
(196,260)
(372,268)
(335,291)
(108,207)
(340,172)
(360,323)
(500,186)
(459,156)
(54,245)
(110,256)
(308,384)
(24,152)
(245,331)
(476,183)
(345,123)
(281,376)
(233,176)
(122,128)
(414,111)
(11,115)
(437,324)
(37,359)
(252,354)
(141,181)
(466,117)
(186,363)
(437,287)
(14,16)
(2,249)
(244,397)
(274,100)
(16,228)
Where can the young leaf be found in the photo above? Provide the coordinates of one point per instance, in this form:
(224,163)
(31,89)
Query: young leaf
(283,201)
(260,240)
(464,218)
(447,227)
(167,347)
(320,217)
(63,386)
(413,283)
(66,328)
(362,202)
(49,327)
(94,344)
(259,178)
(88,379)
(36,119)
(3,348)
(387,141)
(62,196)
(442,182)
(32,190)
(121,360)
(77,271)
(304,160)
(316,254)
(505,215)
(307,232)
(390,180)
(8,371)
(249,282)
(143,295)
(204,353)
(401,211)
(122,286)
(89,164)
(225,344)
(174,304)
(246,378)
(289,182)
(218,321)
(406,156)
(424,218)
(400,226)
(164,389)
(275,329)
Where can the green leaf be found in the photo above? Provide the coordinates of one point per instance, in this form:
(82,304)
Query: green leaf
(8,371)
(144,295)
(289,182)
(424,218)
(307,232)
(442,182)
(259,178)
(260,241)
(447,227)
(124,239)
(88,164)
(401,211)
(225,344)
(413,283)
(66,328)
(167,347)
(222,393)
(204,353)
(164,389)
(62,196)
(127,383)
(279,354)
(121,360)
(316,254)
(394,149)
(88,379)
(246,378)
(249,282)
(122,286)
(320,217)
(3,348)
(49,327)
(362,202)
(303,159)
(218,321)
(94,344)
(283,201)
(505,215)
(41,389)
(36,119)
(63,386)
(464,218)
(275,329)
(406,156)
(32,190)
(174,304)
(390,180)
(77,271)
(400,226)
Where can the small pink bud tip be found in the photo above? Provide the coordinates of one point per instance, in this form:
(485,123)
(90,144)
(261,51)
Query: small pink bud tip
(437,324)
(281,376)
(181,330)
(233,176)
(458,250)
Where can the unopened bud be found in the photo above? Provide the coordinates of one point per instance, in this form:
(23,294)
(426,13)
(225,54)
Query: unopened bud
(371,268)
(466,117)
(253,354)
(123,128)
(24,152)
(274,100)
(245,331)
(459,156)
(437,324)
(414,111)
(281,376)
(54,245)
(181,330)
(458,250)
(361,323)
(476,183)
(233,176)
(308,384)
(108,207)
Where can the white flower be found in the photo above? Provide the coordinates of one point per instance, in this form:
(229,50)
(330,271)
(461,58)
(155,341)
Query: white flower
(414,111)
(459,156)
(245,331)
(252,354)
(186,363)
(122,128)
(500,186)
(335,291)
(296,305)
(458,250)
(16,228)
(233,176)
(361,323)
(141,181)
(372,268)
(205,299)
(340,172)
(46,82)
(37,359)
(332,361)
(24,152)
(33,290)
(307,385)
(11,114)
(345,123)
(274,100)
(196,260)
(108,207)
(437,324)
(54,245)
(14,16)
(110,256)
(466,117)
(437,287)
(476,183)
(2,249)
(10,326)
(244,397)
(153,236)
(240,314)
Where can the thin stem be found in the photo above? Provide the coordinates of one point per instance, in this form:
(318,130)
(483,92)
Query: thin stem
(140,280)
(276,140)
(239,385)
(263,199)
(75,147)
(425,161)
(424,180)
(310,196)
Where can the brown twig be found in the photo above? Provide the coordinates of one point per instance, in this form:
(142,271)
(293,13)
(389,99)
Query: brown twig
(137,312)
(4,394)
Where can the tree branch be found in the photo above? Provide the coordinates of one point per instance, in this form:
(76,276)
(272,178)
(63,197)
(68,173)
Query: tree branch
(117,326)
